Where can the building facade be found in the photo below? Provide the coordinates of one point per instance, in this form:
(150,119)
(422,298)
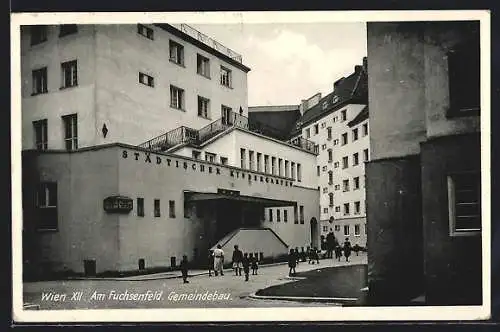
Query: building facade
(338,125)
(137,149)
(424,176)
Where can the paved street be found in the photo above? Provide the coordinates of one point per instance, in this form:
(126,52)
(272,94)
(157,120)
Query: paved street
(229,290)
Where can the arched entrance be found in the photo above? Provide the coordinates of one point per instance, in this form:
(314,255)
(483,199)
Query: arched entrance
(314,232)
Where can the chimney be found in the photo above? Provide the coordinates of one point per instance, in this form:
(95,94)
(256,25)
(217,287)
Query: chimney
(337,82)
(303,106)
(365,64)
(358,68)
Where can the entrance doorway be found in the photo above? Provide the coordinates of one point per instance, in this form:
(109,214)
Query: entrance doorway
(314,232)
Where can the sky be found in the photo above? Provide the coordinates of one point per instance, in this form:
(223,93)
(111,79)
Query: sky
(291,62)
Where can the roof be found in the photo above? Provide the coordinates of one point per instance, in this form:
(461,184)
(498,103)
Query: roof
(348,90)
(281,122)
(178,33)
(363,115)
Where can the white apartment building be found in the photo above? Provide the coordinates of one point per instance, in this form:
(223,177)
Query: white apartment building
(339,127)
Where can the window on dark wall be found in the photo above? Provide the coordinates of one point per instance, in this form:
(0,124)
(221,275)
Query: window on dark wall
(69,74)
(157,208)
(140,207)
(70,131)
(40,128)
(464,77)
(171,209)
(46,205)
(38,34)
(464,203)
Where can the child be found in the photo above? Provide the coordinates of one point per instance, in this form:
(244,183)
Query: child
(292,262)
(184,268)
(316,254)
(255,266)
(338,252)
(246,265)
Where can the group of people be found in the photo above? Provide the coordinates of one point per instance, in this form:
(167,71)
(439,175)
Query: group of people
(241,261)
(332,246)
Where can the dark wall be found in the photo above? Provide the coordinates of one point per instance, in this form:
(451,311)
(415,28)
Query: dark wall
(393,194)
(452,264)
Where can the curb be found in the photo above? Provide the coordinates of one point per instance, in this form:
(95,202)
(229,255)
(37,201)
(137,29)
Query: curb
(333,300)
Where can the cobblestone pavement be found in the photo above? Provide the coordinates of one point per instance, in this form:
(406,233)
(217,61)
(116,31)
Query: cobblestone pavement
(229,290)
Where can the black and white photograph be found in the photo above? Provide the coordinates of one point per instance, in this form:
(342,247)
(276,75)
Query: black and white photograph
(251,166)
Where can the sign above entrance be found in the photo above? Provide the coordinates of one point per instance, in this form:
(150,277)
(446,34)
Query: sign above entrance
(227,192)
(118,204)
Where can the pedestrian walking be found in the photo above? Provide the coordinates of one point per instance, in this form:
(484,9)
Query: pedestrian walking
(347,249)
(330,244)
(210,262)
(218,260)
(254,262)
(246,265)
(338,252)
(184,269)
(237,260)
(316,254)
(303,255)
(292,262)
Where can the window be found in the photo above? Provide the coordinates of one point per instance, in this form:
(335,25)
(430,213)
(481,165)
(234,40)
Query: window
(308,133)
(266,163)
(355,135)
(251,160)
(299,173)
(355,159)
(273,165)
(323,124)
(357,230)
(335,119)
(171,209)
(40,128)
(346,230)
(464,203)
(157,207)
(343,115)
(356,182)
(346,209)
(226,114)
(196,154)
(344,138)
(337,187)
(285,215)
(330,155)
(337,209)
(337,228)
(365,129)
(46,205)
(464,76)
(324,168)
(145,31)
(146,80)
(210,157)
(336,142)
(324,105)
(38,34)
(323,147)
(325,228)
(316,129)
(70,131)
(280,167)
(278,215)
(243,159)
(345,185)
(329,133)
(365,155)
(295,215)
(69,74)
(316,148)
(330,198)
(292,169)
(259,162)
(336,164)
(325,210)
(301,211)
(140,207)
(176,53)
(176,97)
(357,207)
(287,171)
(39,81)
(345,162)
(270,214)
(203,66)
(203,107)
(223,160)
(225,76)
(318,169)
(67,29)
(330,177)
(325,190)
